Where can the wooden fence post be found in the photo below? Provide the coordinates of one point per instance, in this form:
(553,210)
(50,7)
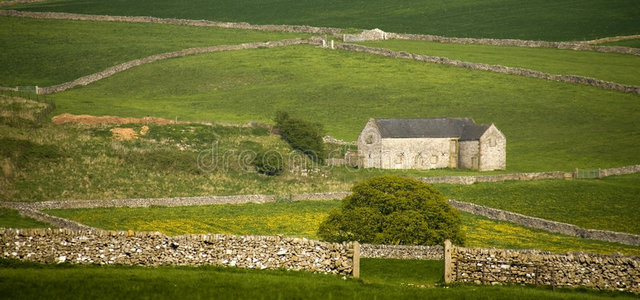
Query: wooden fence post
(356,259)
(448,277)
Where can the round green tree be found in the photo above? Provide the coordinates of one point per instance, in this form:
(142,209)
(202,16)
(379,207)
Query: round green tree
(393,210)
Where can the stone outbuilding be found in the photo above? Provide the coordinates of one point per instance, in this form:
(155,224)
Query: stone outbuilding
(431,144)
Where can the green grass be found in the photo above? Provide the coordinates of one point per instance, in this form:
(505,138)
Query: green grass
(25,280)
(611,203)
(405,271)
(620,68)
(48,52)
(301,219)
(537,20)
(633,43)
(549,125)
(10,218)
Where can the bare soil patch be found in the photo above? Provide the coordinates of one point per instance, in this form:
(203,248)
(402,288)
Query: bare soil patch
(94,120)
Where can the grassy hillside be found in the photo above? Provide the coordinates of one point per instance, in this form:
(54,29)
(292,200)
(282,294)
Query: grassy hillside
(23,280)
(620,68)
(301,219)
(537,20)
(47,52)
(549,125)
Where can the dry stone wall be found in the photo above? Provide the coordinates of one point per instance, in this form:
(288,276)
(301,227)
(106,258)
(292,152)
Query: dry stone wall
(547,225)
(144,19)
(154,249)
(493,68)
(580,46)
(402,251)
(577,269)
(134,63)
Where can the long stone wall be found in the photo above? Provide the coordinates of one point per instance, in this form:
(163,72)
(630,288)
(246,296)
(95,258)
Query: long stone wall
(493,68)
(402,251)
(577,269)
(85,80)
(580,46)
(547,225)
(496,178)
(154,249)
(144,19)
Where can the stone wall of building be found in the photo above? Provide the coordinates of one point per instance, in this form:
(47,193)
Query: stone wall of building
(402,251)
(577,269)
(154,249)
(416,153)
(493,150)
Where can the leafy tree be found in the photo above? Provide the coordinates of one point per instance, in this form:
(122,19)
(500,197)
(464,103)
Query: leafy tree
(302,135)
(269,163)
(393,210)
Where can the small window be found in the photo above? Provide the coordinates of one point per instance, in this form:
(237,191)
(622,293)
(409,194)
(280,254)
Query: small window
(434,159)
(492,141)
(370,139)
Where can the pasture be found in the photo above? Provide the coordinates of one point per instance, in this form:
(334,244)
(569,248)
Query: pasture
(47,52)
(532,20)
(620,68)
(549,125)
(301,219)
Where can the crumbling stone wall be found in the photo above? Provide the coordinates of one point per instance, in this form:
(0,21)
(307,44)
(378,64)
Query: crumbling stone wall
(498,266)
(154,249)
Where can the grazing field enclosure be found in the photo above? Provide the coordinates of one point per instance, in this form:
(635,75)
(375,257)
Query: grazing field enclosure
(33,49)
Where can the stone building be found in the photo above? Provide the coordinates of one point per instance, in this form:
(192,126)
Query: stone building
(431,144)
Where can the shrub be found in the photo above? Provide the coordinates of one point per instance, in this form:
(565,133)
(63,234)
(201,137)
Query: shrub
(393,210)
(302,135)
(269,163)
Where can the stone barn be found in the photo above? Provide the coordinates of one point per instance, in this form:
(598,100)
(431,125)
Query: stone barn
(431,144)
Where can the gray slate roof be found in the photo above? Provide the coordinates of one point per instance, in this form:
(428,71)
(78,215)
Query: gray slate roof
(463,128)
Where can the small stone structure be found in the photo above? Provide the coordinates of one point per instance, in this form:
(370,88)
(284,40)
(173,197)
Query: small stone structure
(431,144)
(574,269)
(154,249)
(366,35)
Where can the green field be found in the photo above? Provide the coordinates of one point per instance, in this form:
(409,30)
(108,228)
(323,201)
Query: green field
(620,68)
(380,279)
(301,219)
(612,203)
(536,20)
(48,52)
(549,125)
(10,218)
(633,43)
